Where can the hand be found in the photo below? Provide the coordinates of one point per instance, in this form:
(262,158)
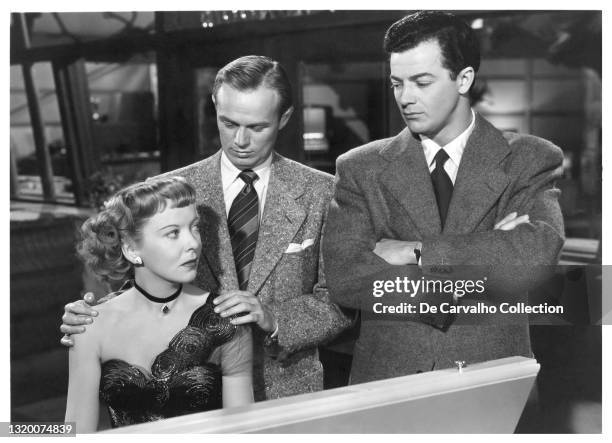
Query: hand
(397,252)
(511,221)
(241,302)
(77,314)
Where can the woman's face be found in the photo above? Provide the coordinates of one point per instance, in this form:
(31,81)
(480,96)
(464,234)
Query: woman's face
(170,244)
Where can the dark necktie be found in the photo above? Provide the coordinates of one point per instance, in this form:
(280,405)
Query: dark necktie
(442,184)
(243,224)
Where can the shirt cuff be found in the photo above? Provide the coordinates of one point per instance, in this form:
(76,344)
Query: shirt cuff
(275,333)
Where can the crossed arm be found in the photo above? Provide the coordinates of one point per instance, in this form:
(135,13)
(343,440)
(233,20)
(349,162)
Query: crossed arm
(401,252)
(517,250)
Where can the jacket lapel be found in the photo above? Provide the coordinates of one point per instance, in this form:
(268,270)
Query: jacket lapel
(282,218)
(407,179)
(479,181)
(216,245)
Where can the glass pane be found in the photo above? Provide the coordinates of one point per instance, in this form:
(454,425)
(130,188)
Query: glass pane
(503,67)
(124,114)
(48,28)
(344,107)
(24,160)
(123,105)
(554,95)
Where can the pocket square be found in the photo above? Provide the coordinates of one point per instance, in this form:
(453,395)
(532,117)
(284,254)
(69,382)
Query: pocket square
(299,247)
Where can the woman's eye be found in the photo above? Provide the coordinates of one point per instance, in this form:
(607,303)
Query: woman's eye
(173,233)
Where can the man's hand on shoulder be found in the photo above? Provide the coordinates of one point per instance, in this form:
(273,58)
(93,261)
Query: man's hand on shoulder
(397,252)
(247,305)
(76,315)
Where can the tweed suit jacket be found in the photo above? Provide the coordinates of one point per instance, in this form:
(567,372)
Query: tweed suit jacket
(384,190)
(291,285)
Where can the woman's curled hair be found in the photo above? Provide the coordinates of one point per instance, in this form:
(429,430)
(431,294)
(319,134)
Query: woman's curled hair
(102,235)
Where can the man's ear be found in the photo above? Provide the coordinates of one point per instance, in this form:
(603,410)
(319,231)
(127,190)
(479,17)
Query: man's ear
(285,117)
(214,100)
(465,78)
(130,252)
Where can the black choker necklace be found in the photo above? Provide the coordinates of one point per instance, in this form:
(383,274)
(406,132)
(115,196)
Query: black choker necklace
(165,300)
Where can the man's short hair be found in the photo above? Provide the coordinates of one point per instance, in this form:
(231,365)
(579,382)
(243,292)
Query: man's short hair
(459,44)
(250,72)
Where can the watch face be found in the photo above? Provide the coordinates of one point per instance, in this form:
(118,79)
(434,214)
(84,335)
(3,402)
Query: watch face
(269,340)
(271,347)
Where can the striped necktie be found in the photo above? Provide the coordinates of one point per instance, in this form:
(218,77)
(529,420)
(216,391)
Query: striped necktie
(442,184)
(243,224)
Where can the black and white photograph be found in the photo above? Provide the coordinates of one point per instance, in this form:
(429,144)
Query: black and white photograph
(306,221)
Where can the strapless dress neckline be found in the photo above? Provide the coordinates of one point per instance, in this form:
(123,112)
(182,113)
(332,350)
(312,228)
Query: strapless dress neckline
(181,380)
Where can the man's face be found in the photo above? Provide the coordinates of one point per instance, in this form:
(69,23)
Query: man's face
(426,95)
(248,123)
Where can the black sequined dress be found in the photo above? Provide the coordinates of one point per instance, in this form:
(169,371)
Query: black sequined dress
(181,381)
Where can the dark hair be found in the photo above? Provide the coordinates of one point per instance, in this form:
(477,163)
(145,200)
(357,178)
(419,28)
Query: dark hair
(250,72)
(103,234)
(459,44)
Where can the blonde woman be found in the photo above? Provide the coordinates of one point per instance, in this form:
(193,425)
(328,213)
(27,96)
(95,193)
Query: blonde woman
(158,349)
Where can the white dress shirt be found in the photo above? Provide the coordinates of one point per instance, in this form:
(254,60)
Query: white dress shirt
(232,184)
(454,149)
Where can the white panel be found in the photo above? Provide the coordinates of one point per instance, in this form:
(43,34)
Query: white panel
(513,123)
(504,96)
(486,397)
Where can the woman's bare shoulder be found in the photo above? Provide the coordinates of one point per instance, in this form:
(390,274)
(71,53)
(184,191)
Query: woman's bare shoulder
(109,313)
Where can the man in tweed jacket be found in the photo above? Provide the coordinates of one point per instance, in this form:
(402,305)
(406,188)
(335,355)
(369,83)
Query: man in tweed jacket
(503,221)
(286,300)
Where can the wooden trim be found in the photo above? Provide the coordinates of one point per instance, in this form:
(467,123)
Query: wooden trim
(121,47)
(45,168)
(73,101)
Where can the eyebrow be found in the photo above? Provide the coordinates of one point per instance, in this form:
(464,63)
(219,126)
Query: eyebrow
(415,76)
(175,225)
(229,120)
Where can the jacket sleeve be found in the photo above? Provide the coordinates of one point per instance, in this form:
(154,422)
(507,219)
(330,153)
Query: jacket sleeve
(518,259)
(310,319)
(353,269)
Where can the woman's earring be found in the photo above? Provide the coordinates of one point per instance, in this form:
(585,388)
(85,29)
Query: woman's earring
(137,261)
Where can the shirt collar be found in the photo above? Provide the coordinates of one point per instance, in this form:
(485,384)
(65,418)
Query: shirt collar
(454,148)
(229,172)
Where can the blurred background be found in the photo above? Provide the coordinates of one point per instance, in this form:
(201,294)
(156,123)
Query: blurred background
(100,100)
